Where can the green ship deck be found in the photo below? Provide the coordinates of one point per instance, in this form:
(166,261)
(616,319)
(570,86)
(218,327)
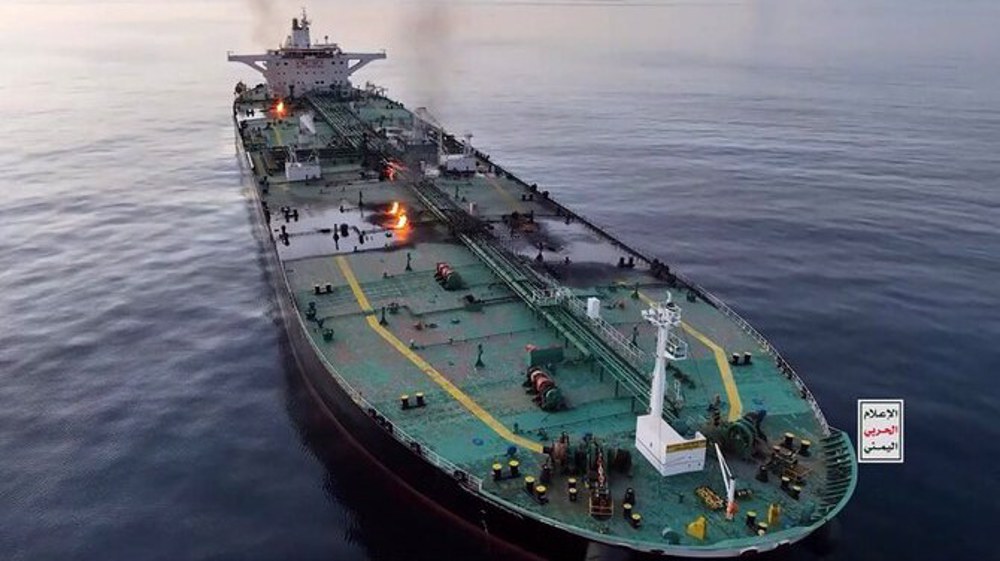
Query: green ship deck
(387,327)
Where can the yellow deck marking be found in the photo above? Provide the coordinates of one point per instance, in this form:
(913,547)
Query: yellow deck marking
(514,203)
(277,133)
(735,405)
(426,367)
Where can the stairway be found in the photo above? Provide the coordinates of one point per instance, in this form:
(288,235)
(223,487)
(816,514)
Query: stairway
(841,472)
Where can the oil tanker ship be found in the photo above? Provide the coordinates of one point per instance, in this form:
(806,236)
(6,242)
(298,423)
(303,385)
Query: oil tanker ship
(506,359)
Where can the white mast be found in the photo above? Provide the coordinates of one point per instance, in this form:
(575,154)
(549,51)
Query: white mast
(665,316)
(467,147)
(668,451)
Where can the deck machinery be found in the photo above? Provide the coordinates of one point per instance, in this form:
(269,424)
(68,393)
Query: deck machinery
(508,358)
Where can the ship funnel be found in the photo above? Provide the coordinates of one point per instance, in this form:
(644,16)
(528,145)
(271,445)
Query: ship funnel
(300,32)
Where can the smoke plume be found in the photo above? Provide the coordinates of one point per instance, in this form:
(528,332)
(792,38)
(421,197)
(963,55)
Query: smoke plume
(269,21)
(427,33)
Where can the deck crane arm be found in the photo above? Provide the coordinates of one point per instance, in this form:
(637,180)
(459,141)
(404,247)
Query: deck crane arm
(730,483)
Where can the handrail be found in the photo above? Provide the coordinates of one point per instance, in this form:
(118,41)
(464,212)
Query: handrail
(555,303)
(779,361)
(476,484)
(631,352)
(645,254)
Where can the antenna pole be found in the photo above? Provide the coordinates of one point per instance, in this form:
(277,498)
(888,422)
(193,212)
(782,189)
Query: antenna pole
(665,316)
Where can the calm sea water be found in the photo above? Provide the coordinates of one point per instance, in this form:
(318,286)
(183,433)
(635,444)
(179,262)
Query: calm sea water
(828,168)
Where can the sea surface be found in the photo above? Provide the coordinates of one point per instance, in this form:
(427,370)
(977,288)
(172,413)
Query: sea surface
(829,168)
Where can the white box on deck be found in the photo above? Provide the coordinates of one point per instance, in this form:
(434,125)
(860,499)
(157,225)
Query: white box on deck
(459,163)
(593,307)
(299,171)
(307,127)
(669,452)
(429,170)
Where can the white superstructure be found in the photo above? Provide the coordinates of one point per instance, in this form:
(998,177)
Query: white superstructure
(464,163)
(301,66)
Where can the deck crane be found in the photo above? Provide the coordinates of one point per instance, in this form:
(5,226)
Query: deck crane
(729,481)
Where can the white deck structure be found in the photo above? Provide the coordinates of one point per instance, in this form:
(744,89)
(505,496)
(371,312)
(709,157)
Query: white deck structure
(301,66)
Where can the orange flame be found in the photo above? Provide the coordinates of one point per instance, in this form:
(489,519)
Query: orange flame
(280,107)
(731,510)
(401,222)
(394,210)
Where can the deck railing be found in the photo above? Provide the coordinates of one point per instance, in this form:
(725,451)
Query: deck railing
(646,254)
(608,332)
(779,360)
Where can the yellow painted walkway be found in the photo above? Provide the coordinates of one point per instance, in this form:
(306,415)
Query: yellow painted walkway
(732,392)
(426,367)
